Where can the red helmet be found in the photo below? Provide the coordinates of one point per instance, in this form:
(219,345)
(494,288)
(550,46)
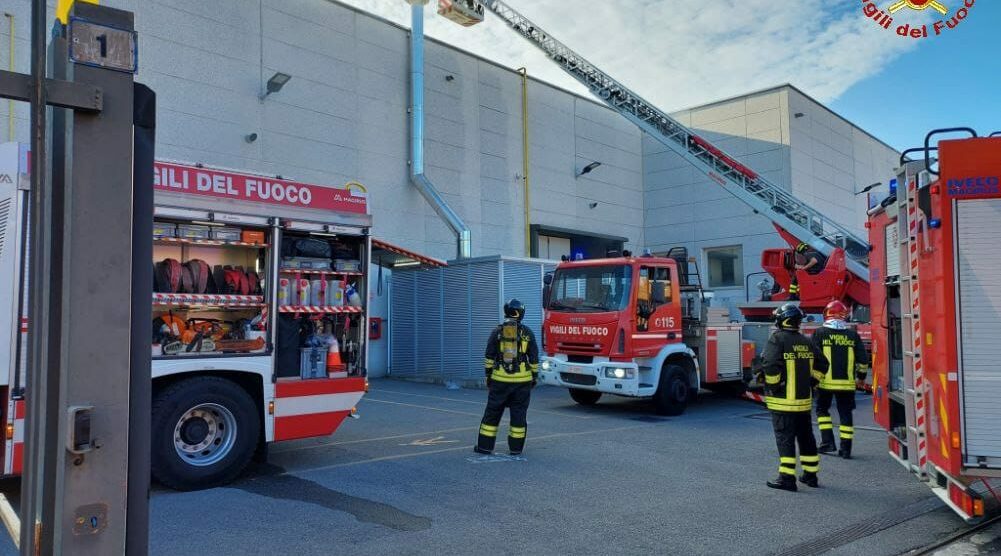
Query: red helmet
(836,310)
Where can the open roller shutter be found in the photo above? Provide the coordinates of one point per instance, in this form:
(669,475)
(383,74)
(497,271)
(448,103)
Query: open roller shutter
(978,254)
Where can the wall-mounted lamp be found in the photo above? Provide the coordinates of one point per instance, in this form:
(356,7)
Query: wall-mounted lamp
(798,115)
(592,205)
(588,169)
(250,137)
(449,78)
(275,84)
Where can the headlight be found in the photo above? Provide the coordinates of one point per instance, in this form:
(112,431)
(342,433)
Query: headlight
(619,372)
(545,365)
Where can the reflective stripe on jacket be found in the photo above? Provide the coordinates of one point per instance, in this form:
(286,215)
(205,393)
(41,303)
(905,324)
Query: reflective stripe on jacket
(846,356)
(791,365)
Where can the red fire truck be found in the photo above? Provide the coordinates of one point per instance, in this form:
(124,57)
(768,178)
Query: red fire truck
(936,305)
(260,321)
(639,327)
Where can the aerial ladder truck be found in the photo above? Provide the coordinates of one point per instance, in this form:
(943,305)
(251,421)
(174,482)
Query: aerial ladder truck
(652,335)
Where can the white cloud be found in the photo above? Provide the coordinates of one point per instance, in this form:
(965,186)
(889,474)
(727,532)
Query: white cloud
(685,53)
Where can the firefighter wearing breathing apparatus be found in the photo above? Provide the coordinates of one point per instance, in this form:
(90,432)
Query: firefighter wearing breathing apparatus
(512,367)
(792,366)
(849,363)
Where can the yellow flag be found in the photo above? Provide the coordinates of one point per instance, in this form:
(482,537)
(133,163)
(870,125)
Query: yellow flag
(64,6)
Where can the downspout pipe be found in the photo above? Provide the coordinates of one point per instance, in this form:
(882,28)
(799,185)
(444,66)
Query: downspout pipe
(417,176)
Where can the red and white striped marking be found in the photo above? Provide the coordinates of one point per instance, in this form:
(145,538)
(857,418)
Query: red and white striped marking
(317,309)
(200,241)
(15,457)
(919,375)
(314,408)
(24,325)
(207,299)
(753,396)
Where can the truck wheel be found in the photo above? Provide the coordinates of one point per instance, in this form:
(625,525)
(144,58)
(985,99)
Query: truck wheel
(673,392)
(204,433)
(585,397)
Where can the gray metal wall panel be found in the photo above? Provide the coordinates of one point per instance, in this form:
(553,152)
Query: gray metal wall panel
(979,265)
(459,357)
(485,310)
(429,310)
(524,281)
(402,324)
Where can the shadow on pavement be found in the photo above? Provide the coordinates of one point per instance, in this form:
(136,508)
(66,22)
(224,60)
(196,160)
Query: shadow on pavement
(273,482)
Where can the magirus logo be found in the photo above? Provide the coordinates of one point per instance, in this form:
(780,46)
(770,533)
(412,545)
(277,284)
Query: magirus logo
(904,16)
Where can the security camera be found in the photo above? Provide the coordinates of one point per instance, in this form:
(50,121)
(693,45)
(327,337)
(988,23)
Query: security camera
(250,138)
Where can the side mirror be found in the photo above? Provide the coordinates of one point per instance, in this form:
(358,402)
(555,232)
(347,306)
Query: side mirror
(547,289)
(658,293)
(548,279)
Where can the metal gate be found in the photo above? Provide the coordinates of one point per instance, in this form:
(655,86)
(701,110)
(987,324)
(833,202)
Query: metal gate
(440,319)
(978,264)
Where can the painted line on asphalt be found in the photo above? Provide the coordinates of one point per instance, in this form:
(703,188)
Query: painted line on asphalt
(454,449)
(428,407)
(360,441)
(480,403)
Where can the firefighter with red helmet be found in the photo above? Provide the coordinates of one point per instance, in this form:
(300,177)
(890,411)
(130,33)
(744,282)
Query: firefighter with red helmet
(792,366)
(512,367)
(848,365)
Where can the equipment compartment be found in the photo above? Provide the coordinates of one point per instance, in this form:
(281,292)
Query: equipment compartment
(210,296)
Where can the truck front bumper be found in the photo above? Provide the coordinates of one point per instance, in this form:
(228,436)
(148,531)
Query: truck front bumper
(602,375)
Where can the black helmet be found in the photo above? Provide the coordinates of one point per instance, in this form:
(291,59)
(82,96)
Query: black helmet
(802,248)
(788,316)
(514,309)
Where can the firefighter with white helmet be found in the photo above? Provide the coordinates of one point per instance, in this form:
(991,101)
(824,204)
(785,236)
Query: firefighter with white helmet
(512,367)
(792,366)
(848,364)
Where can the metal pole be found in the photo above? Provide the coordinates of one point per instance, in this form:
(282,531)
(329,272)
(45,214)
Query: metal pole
(88,363)
(39,470)
(526,166)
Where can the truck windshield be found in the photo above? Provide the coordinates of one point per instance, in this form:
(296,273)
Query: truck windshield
(591,289)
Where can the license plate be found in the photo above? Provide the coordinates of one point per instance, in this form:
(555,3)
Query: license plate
(572,369)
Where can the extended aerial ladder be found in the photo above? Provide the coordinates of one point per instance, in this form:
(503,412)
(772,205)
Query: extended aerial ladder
(771,200)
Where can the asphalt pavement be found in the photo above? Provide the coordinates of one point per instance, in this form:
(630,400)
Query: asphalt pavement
(613,478)
(610,479)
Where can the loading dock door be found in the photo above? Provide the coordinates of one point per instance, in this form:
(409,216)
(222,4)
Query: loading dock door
(978,254)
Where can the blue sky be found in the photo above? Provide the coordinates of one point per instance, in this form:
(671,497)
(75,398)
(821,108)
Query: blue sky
(683,54)
(949,81)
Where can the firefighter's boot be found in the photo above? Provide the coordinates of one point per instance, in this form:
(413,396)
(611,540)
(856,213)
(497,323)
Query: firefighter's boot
(846,449)
(827,445)
(809,479)
(783,482)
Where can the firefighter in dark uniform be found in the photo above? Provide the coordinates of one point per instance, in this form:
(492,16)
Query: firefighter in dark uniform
(849,364)
(792,366)
(512,367)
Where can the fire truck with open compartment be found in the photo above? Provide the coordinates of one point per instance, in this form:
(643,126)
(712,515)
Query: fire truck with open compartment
(252,341)
(936,305)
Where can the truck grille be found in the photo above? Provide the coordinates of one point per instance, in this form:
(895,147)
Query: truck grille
(583,380)
(579,347)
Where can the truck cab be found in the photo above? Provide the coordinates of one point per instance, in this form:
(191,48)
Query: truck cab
(615,326)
